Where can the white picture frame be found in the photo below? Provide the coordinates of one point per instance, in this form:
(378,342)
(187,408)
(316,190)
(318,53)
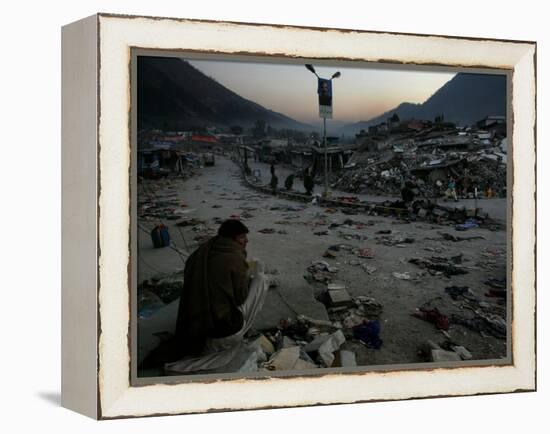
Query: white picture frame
(96,213)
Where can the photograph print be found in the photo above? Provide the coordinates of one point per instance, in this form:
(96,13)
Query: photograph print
(296,217)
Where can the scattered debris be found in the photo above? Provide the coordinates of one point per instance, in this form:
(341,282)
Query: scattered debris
(348,236)
(330,254)
(454,238)
(190,222)
(482,322)
(167,286)
(357,318)
(148,303)
(339,297)
(368,268)
(368,332)
(459,291)
(267,231)
(468,224)
(365,253)
(433,316)
(321,266)
(403,276)
(439,265)
(395,241)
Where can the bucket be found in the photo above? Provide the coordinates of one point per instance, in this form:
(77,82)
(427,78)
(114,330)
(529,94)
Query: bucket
(160,237)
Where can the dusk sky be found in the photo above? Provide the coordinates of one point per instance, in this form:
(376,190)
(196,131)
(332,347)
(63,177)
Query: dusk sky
(359,94)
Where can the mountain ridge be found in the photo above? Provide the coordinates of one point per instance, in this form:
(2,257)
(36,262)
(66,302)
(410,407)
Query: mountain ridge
(465,99)
(173,94)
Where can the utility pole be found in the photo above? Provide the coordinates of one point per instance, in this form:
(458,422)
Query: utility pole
(324,90)
(325,194)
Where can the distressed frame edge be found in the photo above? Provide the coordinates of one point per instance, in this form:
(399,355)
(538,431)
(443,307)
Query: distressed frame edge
(79,134)
(136,381)
(293,26)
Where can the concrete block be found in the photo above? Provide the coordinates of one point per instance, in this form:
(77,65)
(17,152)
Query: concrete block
(445,356)
(266,345)
(339,297)
(284,359)
(302,365)
(462,352)
(316,343)
(347,359)
(288,342)
(428,346)
(331,345)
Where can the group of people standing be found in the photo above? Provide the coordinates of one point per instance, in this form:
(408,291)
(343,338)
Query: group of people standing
(309,184)
(462,188)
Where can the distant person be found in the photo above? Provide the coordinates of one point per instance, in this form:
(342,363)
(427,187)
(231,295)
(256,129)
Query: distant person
(274,182)
(289,181)
(308,182)
(451,189)
(272,169)
(407,193)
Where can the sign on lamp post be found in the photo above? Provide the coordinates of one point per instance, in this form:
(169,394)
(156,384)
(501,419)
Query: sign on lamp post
(324,90)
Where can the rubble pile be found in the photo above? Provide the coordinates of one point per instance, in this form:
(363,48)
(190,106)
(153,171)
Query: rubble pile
(427,164)
(383,178)
(308,343)
(486,171)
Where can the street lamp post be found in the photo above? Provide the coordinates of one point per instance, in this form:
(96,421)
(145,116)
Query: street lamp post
(325,194)
(324,116)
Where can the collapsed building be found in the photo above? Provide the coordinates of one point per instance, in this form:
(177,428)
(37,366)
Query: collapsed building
(428,156)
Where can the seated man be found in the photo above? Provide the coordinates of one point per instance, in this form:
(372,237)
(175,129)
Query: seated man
(218,303)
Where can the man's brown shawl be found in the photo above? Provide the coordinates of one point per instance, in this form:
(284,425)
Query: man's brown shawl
(215,284)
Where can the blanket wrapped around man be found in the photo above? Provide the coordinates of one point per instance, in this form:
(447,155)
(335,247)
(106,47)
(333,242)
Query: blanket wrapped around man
(216,283)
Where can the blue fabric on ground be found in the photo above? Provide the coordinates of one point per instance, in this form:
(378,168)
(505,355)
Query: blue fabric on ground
(468,224)
(369,333)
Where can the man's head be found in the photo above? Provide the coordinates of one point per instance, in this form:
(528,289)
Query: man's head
(234,229)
